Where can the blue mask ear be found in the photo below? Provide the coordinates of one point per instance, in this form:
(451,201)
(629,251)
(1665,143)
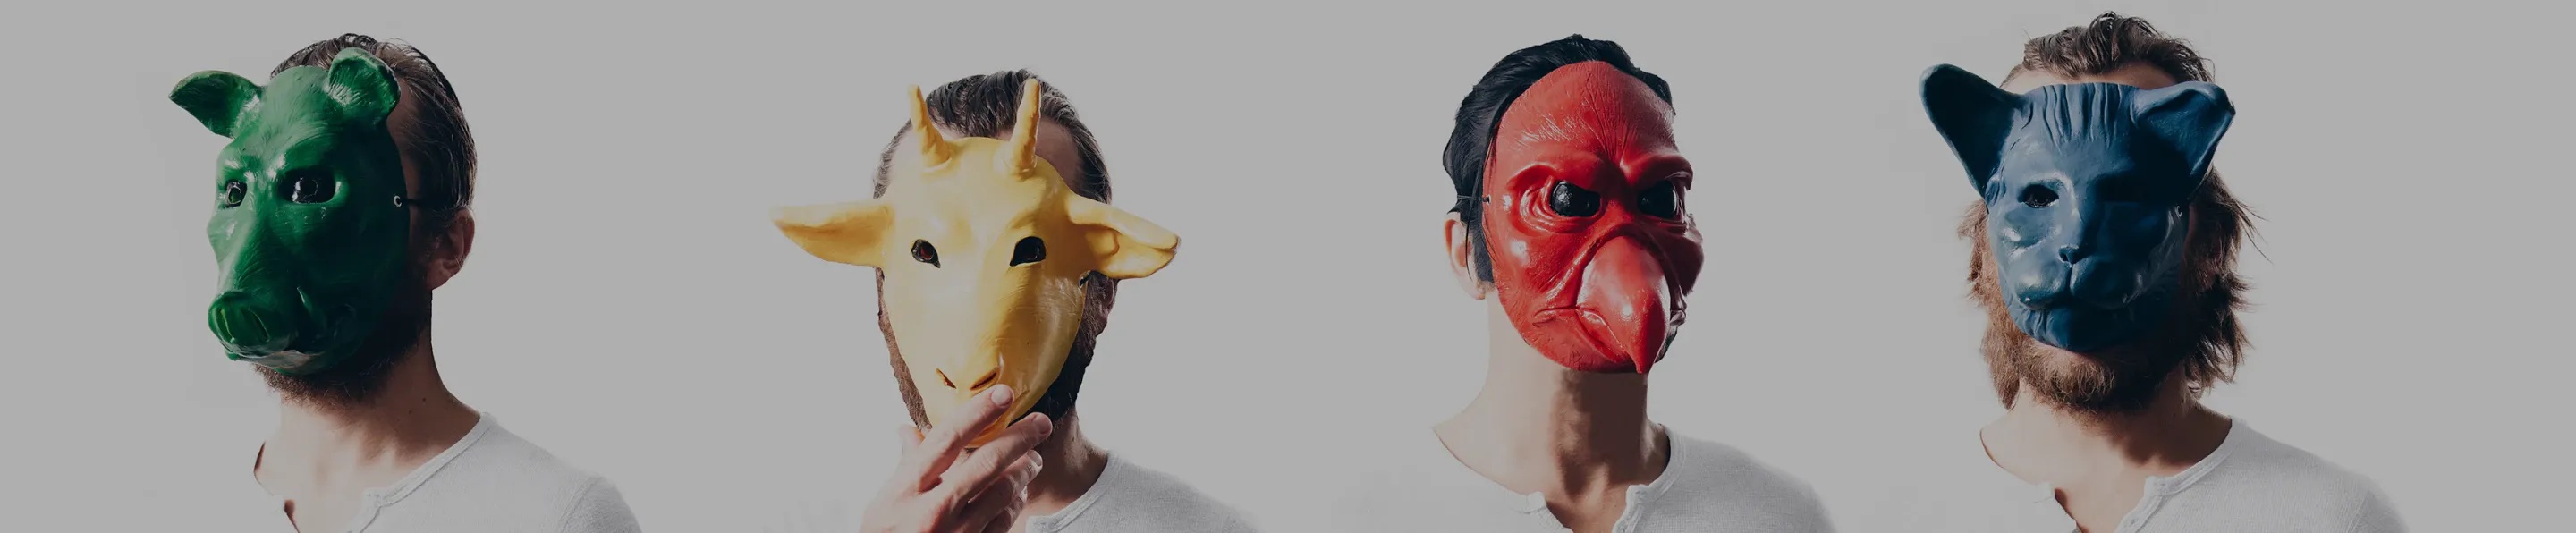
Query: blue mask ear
(2189,116)
(1973,115)
(216,98)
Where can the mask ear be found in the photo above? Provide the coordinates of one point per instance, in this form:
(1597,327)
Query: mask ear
(216,98)
(2190,116)
(362,86)
(850,233)
(1974,116)
(1126,246)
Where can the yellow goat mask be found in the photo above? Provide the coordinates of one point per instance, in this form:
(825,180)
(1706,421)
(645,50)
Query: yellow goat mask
(983,248)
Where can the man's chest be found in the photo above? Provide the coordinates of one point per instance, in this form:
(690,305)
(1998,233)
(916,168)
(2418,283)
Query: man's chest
(320,514)
(1590,520)
(2104,509)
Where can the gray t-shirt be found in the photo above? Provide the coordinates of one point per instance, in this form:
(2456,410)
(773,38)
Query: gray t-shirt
(1706,486)
(2250,483)
(491,480)
(1126,498)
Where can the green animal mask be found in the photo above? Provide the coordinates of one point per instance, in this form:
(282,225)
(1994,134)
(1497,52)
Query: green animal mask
(310,226)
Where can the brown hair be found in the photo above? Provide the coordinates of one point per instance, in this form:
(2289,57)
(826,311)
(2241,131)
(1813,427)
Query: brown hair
(2203,323)
(2109,42)
(987,105)
(432,138)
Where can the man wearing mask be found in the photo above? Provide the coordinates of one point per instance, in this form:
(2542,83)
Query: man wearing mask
(1569,223)
(2103,254)
(340,203)
(997,260)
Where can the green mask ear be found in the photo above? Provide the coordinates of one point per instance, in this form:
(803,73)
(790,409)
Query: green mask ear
(362,86)
(216,98)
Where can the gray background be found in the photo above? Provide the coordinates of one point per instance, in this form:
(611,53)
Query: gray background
(628,306)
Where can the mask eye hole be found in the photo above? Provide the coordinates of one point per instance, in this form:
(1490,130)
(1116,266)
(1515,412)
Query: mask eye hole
(232,194)
(923,252)
(1030,250)
(1664,200)
(309,186)
(1568,200)
(2038,196)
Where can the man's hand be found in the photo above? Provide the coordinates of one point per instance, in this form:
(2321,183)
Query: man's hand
(943,487)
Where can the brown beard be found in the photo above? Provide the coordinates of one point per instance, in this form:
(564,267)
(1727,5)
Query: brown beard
(360,381)
(2199,340)
(2122,380)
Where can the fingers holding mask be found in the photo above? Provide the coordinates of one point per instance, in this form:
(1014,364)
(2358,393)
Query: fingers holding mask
(1002,460)
(929,459)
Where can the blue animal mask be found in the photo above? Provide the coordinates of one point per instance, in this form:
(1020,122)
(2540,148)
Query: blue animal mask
(2086,188)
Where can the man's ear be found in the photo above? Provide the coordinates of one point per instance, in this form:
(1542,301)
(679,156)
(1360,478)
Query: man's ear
(849,232)
(361,85)
(1462,260)
(447,257)
(218,99)
(1125,246)
(1974,116)
(2190,116)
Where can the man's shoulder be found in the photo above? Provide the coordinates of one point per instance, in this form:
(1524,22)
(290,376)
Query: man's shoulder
(501,473)
(2293,479)
(1412,483)
(1723,485)
(1400,476)
(500,455)
(1717,465)
(1134,497)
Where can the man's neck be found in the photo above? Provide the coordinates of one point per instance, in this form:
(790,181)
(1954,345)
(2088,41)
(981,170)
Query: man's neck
(1575,437)
(326,449)
(2172,433)
(2099,462)
(1071,466)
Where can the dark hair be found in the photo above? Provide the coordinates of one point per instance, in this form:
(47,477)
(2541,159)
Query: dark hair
(2109,42)
(987,105)
(433,137)
(2204,321)
(1482,111)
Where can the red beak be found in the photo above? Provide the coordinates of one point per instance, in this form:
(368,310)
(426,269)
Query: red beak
(1625,299)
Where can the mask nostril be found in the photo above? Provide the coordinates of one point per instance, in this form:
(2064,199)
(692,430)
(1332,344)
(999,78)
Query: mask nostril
(250,327)
(2071,254)
(943,378)
(986,381)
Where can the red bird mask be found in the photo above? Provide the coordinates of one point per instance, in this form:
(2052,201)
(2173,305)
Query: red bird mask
(1592,247)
